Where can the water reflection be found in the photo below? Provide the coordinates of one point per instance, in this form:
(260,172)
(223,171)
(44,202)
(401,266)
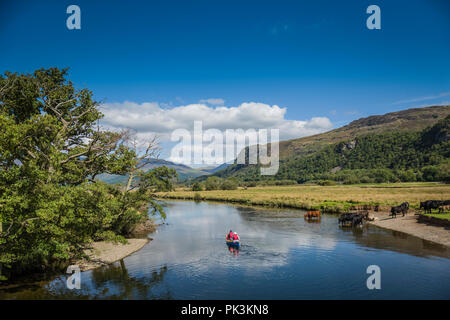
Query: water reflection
(109,282)
(233,250)
(297,259)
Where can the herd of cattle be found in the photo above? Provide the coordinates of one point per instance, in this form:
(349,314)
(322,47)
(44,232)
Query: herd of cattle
(435,204)
(355,219)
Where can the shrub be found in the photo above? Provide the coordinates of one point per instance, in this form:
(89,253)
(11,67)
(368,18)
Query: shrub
(431,173)
(326,183)
(213,183)
(229,184)
(197,187)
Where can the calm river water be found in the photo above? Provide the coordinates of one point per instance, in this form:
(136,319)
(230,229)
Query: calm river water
(281,257)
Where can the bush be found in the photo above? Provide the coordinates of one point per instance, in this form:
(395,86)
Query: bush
(326,183)
(229,184)
(213,183)
(431,173)
(197,187)
(351,180)
(445,172)
(366,179)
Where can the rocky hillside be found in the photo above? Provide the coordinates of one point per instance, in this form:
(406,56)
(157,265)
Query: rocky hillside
(406,120)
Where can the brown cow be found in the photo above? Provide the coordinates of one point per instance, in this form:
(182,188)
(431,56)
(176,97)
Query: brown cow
(312,214)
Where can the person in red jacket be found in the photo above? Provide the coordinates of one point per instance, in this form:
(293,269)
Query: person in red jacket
(236,237)
(230,235)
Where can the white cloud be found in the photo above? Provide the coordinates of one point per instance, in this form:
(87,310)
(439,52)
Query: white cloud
(440,95)
(213,101)
(150,118)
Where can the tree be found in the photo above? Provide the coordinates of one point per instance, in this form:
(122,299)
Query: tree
(51,150)
(213,183)
(431,173)
(229,184)
(197,187)
(445,172)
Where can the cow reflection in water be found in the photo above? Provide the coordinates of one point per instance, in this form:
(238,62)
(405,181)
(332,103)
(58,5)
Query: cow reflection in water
(313,220)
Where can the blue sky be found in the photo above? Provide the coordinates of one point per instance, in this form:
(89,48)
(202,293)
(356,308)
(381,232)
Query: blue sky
(315,58)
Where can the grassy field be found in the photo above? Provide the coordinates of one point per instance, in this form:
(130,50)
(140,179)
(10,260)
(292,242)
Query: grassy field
(327,198)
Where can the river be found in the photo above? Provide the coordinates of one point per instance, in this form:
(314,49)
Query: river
(282,256)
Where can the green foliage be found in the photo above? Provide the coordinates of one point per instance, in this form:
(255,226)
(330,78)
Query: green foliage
(326,183)
(51,150)
(229,184)
(197,187)
(445,172)
(213,183)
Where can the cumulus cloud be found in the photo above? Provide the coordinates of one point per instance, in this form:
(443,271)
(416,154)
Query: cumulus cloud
(150,118)
(213,101)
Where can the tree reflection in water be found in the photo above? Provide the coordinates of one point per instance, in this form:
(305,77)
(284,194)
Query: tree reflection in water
(109,282)
(114,282)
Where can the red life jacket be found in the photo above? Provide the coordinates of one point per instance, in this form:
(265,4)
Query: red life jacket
(230,236)
(235,237)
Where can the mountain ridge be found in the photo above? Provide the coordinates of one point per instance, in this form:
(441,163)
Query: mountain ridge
(294,152)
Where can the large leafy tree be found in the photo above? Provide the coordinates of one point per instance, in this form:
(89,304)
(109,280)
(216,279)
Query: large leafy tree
(51,150)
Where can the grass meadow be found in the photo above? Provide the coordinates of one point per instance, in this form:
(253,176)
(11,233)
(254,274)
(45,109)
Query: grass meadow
(333,199)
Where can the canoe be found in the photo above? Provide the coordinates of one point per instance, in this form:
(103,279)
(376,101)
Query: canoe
(234,243)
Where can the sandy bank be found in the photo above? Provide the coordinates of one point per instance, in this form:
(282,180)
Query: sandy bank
(410,225)
(102,253)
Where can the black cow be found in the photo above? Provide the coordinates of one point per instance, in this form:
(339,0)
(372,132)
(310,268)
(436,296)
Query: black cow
(395,210)
(405,206)
(365,214)
(431,204)
(357,219)
(403,209)
(345,217)
(353,218)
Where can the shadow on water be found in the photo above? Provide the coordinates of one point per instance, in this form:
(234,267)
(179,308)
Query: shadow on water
(401,242)
(109,282)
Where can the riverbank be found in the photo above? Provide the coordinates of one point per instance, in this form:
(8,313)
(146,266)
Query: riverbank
(102,253)
(411,225)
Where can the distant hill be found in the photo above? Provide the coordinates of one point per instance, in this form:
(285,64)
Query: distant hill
(406,120)
(215,169)
(355,146)
(184,172)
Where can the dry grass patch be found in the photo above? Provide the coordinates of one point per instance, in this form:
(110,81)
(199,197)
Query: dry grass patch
(329,198)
